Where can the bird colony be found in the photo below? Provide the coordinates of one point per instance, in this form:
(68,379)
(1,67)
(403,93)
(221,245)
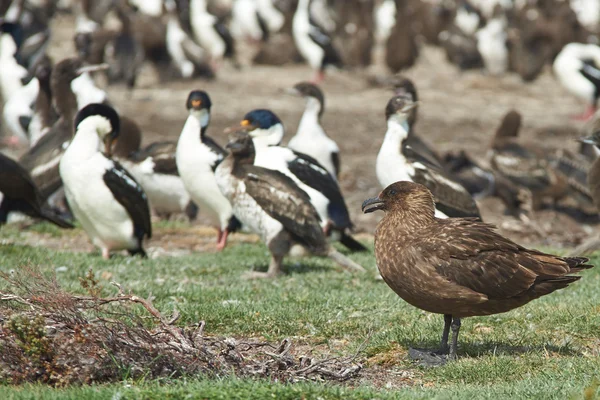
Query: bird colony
(71,158)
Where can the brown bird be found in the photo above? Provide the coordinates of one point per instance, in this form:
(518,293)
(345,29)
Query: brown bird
(458,267)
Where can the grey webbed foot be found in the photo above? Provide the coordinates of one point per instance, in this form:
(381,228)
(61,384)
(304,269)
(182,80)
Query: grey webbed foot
(428,358)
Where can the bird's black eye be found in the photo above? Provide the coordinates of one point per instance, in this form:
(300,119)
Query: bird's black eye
(393,192)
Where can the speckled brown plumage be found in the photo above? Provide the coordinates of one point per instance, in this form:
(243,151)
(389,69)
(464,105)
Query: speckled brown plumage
(458,267)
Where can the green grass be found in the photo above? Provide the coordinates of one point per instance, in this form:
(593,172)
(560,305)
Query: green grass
(547,349)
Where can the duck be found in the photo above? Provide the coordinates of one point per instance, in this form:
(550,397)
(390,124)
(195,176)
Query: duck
(18,193)
(577,68)
(108,202)
(313,42)
(267,131)
(273,206)
(397,160)
(457,267)
(310,137)
(197,156)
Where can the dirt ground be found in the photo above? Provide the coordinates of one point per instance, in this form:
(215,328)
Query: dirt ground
(458,111)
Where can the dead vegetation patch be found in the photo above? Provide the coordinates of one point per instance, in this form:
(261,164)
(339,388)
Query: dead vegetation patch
(51,336)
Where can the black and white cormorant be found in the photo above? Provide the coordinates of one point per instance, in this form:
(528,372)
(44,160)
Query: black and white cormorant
(313,41)
(311,138)
(267,131)
(210,33)
(108,202)
(197,157)
(273,206)
(397,161)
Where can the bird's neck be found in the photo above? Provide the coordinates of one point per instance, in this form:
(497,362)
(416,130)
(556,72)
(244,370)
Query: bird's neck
(310,118)
(198,7)
(303,6)
(396,133)
(65,102)
(8,46)
(236,164)
(191,134)
(43,102)
(268,137)
(203,117)
(86,142)
(406,221)
(86,91)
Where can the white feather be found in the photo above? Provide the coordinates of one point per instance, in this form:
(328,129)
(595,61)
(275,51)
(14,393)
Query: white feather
(148,7)
(86,91)
(568,64)
(166,193)
(277,158)
(587,12)
(245,208)
(82,169)
(176,36)
(391,165)
(19,105)
(491,44)
(11,71)
(311,139)
(272,16)
(312,52)
(194,163)
(204,31)
(385,19)
(245,24)
(468,22)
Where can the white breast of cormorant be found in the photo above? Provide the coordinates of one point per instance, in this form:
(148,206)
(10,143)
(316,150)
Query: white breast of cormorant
(82,169)
(195,162)
(278,158)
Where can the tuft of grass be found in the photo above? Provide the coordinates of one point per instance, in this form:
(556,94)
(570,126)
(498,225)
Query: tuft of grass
(549,348)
